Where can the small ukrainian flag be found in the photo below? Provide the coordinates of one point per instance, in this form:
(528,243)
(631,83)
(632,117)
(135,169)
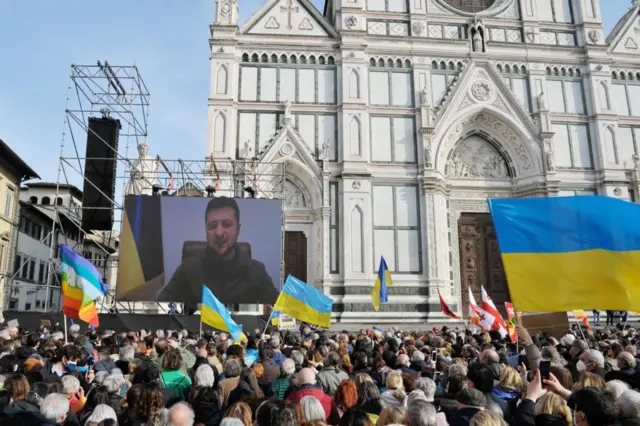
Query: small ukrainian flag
(301,301)
(214,313)
(379,294)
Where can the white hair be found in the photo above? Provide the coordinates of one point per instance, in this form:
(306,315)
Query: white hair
(102,412)
(116,372)
(204,376)
(58,335)
(288,367)
(595,356)
(184,333)
(70,384)
(160,334)
(75,328)
(617,387)
(427,386)
(627,359)
(100,376)
(127,354)
(54,407)
(181,414)
(231,421)
(113,383)
(162,417)
(629,404)
(417,356)
(312,409)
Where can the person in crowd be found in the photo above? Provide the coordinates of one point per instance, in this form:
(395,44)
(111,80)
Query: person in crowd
(232,370)
(346,396)
(172,377)
(247,389)
(307,386)
(54,409)
(241,411)
(330,377)
(279,386)
(395,395)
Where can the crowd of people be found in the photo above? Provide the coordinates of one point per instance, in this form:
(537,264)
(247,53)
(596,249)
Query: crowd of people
(448,376)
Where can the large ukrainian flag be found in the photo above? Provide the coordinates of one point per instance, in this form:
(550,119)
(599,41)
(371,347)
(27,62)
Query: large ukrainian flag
(566,253)
(214,314)
(301,301)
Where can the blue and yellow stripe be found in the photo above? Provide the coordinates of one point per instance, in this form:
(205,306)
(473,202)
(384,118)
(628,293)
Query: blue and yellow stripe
(214,314)
(380,294)
(566,253)
(301,301)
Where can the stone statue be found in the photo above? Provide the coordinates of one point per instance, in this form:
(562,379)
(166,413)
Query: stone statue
(427,156)
(424,96)
(287,109)
(636,161)
(144,173)
(325,151)
(548,153)
(477,42)
(542,101)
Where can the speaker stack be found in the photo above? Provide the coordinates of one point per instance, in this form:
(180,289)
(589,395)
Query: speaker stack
(100,174)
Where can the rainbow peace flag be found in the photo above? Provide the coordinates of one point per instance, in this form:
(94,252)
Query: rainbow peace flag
(81,285)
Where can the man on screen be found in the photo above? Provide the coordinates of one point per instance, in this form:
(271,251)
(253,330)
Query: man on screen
(230,273)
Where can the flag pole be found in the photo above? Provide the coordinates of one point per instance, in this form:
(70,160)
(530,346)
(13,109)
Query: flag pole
(201,326)
(580,328)
(268,320)
(66,339)
(625,323)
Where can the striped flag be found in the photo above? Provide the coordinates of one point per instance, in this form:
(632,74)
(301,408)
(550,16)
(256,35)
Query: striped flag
(511,322)
(81,285)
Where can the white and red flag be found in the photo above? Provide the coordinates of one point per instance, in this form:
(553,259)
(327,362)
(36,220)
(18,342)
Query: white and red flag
(473,309)
(489,307)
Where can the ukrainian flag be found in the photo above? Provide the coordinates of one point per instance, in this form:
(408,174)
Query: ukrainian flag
(213,313)
(301,301)
(567,253)
(379,294)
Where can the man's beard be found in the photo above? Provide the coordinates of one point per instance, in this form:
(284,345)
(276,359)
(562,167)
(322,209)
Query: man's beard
(223,248)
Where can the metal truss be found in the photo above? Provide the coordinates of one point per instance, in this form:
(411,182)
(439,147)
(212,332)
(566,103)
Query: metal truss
(120,92)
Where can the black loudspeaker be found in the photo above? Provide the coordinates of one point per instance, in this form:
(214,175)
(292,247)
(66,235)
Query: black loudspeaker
(100,174)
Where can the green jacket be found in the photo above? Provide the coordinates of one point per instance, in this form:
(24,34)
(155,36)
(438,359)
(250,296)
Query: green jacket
(188,361)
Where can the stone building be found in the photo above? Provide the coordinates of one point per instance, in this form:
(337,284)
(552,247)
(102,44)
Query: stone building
(398,119)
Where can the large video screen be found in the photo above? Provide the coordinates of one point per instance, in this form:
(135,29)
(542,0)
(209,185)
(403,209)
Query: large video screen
(171,246)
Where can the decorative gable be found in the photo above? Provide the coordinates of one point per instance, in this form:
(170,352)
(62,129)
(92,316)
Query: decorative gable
(626,35)
(480,83)
(289,145)
(289,17)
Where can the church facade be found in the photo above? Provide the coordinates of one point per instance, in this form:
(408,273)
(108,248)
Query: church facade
(396,120)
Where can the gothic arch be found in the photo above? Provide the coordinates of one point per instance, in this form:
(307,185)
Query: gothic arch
(222,80)
(611,147)
(302,176)
(514,141)
(219,131)
(354,84)
(486,158)
(603,96)
(355,136)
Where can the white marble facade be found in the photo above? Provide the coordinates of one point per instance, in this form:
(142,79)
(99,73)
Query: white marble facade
(394,117)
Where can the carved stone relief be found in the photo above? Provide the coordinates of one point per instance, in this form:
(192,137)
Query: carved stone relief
(493,126)
(293,196)
(481,90)
(477,158)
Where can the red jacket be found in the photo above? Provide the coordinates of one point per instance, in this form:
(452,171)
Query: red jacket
(330,408)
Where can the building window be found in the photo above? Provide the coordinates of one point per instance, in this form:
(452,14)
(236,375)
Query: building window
(33,200)
(576,192)
(515,77)
(442,75)
(396,228)
(304,83)
(58,201)
(393,139)
(555,11)
(41,275)
(565,91)
(572,146)
(3,258)
(8,203)
(17,268)
(389,88)
(32,270)
(398,6)
(46,201)
(626,92)
(334,234)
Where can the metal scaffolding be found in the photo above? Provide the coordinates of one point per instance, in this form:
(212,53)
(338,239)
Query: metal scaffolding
(120,93)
